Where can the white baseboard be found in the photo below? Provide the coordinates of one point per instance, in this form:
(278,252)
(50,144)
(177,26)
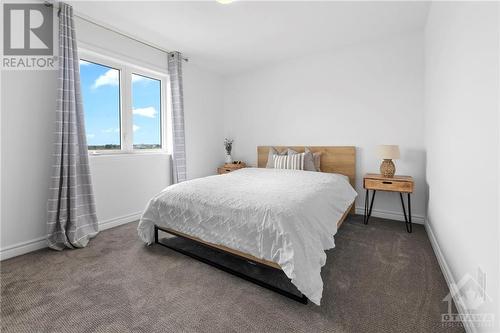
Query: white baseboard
(448,276)
(111,223)
(391,215)
(41,242)
(23,247)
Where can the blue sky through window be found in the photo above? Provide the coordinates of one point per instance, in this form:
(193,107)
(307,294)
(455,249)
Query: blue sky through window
(146,99)
(101,103)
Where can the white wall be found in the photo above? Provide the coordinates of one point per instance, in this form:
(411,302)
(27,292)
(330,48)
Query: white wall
(361,95)
(27,124)
(203,121)
(461,130)
(123,183)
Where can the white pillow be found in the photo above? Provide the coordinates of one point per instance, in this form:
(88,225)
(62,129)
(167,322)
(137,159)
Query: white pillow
(293,162)
(270,157)
(308,159)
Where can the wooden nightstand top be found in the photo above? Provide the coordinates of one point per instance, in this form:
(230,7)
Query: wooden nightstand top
(230,167)
(396,177)
(377,182)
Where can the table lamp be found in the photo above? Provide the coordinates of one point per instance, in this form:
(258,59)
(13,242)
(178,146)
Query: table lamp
(388,153)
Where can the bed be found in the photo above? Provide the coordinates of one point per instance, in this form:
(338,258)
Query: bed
(283,219)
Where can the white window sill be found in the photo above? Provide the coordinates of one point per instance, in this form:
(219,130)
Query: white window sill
(98,153)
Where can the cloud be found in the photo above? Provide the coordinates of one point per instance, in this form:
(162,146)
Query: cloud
(111,130)
(136,128)
(110,78)
(90,136)
(149,112)
(138,78)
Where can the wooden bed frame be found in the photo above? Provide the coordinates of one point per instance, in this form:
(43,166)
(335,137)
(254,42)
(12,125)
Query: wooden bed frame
(340,160)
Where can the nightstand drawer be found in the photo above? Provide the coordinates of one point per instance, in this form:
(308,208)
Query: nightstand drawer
(224,170)
(388,185)
(230,167)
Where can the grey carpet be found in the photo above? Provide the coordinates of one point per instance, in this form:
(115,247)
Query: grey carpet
(377,279)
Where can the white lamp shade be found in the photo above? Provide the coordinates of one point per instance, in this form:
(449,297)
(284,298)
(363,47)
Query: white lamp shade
(388,152)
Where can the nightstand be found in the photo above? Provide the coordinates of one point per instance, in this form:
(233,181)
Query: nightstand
(228,167)
(401,184)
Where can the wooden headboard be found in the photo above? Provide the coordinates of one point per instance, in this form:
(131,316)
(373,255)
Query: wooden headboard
(334,159)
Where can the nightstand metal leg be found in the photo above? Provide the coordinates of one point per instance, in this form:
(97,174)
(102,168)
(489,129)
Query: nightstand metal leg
(403,205)
(368,203)
(409,225)
(367,198)
(407,218)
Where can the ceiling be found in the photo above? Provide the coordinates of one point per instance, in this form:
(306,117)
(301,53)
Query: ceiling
(244,35)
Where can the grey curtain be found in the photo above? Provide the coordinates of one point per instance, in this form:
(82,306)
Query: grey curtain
(178,135)
(72,219)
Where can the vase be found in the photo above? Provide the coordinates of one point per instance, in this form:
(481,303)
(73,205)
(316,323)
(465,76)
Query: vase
(229,159)
(387,168)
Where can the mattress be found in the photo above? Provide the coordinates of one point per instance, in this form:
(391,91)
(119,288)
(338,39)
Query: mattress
(285,216)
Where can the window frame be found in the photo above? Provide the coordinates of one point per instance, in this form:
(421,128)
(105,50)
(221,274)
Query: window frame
(114,66)
(126,68)
(162,114)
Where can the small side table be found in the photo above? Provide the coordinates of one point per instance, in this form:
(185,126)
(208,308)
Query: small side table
(401,184)
(228,167)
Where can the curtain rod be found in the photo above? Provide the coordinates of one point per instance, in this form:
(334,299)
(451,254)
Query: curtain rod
(137,39)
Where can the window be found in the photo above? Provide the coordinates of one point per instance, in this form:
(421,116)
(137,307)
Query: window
(101,103)
(123,105)
(146,104)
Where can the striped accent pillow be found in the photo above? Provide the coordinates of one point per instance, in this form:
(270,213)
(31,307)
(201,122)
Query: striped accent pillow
(294,162)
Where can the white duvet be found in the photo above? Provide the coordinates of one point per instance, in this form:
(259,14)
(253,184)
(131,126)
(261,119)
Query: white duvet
(285,216)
